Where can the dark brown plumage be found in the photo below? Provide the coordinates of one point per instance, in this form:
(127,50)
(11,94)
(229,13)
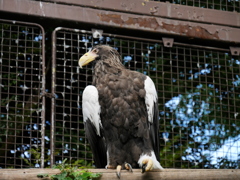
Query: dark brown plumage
(120,112)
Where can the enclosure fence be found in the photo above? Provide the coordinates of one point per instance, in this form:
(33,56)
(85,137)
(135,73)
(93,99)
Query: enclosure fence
(198,89)
(22,81)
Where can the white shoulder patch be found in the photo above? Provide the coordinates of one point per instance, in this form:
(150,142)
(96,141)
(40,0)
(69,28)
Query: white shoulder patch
(91,108)
(150,98)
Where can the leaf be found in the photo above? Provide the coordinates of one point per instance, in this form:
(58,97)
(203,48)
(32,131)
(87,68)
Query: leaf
(96,175)
(85,175)
(76,173)
(61,176)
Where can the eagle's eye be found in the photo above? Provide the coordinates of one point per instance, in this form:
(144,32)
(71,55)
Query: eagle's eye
(95,50)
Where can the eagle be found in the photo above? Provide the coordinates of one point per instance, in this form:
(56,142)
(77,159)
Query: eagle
(120,113)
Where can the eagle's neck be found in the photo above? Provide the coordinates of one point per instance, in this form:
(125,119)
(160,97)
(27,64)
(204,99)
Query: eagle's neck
(104,68)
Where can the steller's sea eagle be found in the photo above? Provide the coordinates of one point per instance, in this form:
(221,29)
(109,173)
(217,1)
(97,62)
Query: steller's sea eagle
(120,113)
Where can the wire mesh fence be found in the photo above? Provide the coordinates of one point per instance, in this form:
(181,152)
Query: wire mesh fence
(21,83)
(198,90)
(223,5)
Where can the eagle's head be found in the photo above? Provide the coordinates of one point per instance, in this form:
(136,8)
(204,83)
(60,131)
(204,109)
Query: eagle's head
(101,53)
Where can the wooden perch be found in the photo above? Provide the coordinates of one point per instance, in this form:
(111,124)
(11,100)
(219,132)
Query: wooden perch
(167,174)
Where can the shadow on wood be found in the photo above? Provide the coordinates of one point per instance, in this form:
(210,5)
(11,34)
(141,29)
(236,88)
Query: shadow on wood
(167,174)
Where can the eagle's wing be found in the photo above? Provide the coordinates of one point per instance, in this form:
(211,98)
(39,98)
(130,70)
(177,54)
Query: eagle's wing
(92,121)
(151,101)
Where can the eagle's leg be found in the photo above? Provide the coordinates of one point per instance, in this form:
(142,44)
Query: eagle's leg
(147,165)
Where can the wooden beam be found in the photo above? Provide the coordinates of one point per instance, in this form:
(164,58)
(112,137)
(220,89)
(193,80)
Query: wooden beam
(167,174)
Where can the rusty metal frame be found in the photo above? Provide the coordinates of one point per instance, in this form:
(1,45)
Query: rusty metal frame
(127,37)
(168,19)
(161,9)
(54,52)
(43,89)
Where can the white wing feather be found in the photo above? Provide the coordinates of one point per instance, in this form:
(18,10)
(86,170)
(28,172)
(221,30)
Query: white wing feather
(91,108)
(150,98)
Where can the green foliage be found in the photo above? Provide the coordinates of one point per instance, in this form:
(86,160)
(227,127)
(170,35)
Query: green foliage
(36,154)
(71,172)
(35,157)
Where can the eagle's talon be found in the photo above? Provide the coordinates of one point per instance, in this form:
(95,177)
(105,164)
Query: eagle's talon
(147,165)
(118,175)
(119,168)
(128,167)
(143,168)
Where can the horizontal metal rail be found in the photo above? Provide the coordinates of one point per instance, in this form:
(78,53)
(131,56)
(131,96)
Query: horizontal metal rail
(163,9)
(203,28)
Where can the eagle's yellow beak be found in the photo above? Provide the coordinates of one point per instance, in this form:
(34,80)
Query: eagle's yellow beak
(87,58)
